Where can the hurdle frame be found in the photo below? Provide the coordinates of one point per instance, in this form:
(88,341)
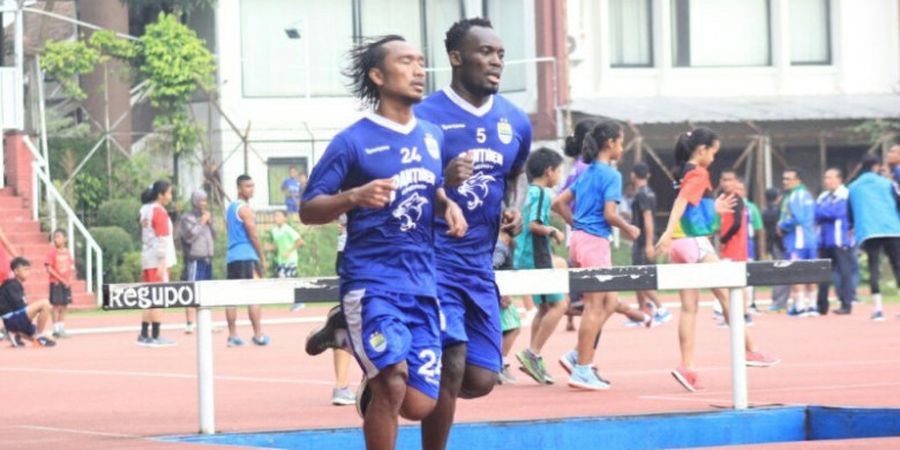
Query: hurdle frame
(733,276)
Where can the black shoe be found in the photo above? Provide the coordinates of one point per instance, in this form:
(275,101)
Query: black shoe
(842,311)
(325,337)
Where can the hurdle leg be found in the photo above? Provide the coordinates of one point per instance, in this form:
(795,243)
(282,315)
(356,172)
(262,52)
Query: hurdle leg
(205,371)
(738,348)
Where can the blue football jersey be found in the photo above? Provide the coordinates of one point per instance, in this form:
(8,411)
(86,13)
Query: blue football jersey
(392,247)
(498,135)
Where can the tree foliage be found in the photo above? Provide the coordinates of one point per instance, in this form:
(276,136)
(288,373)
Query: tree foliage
(169,6)
(65,60)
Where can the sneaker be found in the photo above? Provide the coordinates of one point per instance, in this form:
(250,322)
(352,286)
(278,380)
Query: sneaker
(811,312)
(504,377)
(262,341)
(748,320)
(326,336)
(297,307)
(662,316)
(189,328)
(55,334)
(753,310)
(570,359)
(531,365)
(161,342)
(234,341)
(42,341)
(842,311)
(548,379)
(776,309)
(342,397)
(144,341)
(687,378)
(793,311)
(877,316)
(63,333)
(363,398)
(759,359)
(584,378)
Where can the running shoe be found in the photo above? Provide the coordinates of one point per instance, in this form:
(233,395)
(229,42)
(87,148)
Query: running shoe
(189,328)
(363,398)
(161,342)
(687,378)
(234,341)
(760,359)
(144,341)
(297,307)
(662,315)
(342,397)
(748,320)
(877,316)
(583,377)
(753,310)
(776,309)
(842,311)
(548,379)
(531,365)
(261,341)
(327,336)
(42,341)
(568,361)
(505,377)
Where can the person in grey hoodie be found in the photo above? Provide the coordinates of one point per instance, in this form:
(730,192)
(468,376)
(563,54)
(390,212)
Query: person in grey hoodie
(197,235)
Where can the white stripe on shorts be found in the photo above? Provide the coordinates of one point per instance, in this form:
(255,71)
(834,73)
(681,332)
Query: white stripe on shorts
(352,304)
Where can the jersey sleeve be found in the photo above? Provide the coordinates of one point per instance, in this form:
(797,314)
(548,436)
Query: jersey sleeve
(329,173)
(160,222)
(612,190)
(693,186)
(531,206)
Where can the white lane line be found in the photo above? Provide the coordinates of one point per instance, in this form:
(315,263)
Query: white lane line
(164,375)
(779,366)
(133,329)
(833,387)
(70,430)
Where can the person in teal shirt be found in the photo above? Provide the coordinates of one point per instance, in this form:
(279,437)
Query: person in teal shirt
(533,251)
(287,240)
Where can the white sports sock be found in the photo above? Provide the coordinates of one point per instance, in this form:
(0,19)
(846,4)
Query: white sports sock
(877,299)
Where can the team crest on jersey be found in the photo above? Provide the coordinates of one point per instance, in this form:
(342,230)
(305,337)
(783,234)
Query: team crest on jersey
(475,189)
(377,342)
(432,145)
(409,211)
(504,131)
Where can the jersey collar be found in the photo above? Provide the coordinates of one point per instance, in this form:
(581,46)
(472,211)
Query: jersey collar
(391,125)
(468,107)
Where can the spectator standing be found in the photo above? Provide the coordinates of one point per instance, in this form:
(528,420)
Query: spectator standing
(876,224)
(835,240)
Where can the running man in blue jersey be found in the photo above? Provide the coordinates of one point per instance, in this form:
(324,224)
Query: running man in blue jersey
(385,173)
(487,141)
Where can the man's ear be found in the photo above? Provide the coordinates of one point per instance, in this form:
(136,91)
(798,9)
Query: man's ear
(377,76)
(455,58)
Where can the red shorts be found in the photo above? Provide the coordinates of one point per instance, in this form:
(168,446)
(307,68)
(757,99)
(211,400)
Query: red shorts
(153,276)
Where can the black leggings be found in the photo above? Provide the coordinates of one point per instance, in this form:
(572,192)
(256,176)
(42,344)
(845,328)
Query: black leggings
(873,247)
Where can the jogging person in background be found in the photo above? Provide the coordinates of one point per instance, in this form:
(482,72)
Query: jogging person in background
(596,194)
(198,235)
(487,140)
(686,239)
(836,241)
(385,172)
(876,224)
(797,226)
(246,260)
(157,255)
(643,213)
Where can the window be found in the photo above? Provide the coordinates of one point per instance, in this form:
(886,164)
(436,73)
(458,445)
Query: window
(810,32)
(508,19)
(630,33)
(275,66)
(279,169)
(711,33)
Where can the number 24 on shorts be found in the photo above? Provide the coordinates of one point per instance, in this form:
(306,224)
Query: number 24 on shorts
(431,366)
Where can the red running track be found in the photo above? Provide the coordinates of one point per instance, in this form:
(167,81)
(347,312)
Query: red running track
(103,391)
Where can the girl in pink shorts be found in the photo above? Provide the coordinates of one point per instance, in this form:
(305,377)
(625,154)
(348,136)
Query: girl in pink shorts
(598,191)
(694,218)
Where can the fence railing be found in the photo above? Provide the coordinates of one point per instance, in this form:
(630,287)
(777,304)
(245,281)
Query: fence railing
(93,252)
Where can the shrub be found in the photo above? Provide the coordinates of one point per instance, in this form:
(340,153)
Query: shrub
(115,243)
(121,213)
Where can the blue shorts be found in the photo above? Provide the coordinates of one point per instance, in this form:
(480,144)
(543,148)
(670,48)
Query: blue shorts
(471,306)
(197,270)
(801,254)
(387,328)
(18,322)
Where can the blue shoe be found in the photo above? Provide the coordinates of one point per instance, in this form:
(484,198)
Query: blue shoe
(144,341)
(877,316)
(235,342)
(662,316)
(568,360)
(262,342)
(584,378)
(793,311)
(161,342)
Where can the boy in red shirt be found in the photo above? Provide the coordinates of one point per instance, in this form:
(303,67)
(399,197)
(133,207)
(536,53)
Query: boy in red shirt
(61,268)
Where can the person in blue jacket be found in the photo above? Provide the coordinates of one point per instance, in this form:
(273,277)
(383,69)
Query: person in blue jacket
(876,223)
(797,226)
(835,240)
